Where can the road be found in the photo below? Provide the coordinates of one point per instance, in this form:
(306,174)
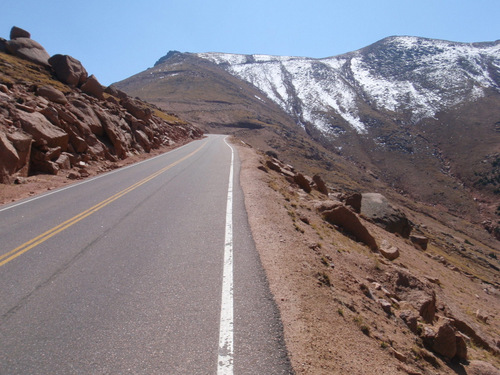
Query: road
(149,269)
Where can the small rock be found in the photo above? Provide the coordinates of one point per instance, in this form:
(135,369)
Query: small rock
(389,252)
(386,306)
(481,316)
(433,279)
(366,291)
(73,175)
(399,356)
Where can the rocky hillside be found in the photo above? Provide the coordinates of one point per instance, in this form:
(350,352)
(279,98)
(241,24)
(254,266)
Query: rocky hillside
(55,118)
(415,115)
(365,286)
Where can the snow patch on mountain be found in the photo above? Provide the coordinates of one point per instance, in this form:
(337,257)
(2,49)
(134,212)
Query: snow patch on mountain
(410,74)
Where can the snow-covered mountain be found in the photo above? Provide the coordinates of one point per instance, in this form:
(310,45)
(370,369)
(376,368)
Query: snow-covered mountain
(411,75)
(421,116)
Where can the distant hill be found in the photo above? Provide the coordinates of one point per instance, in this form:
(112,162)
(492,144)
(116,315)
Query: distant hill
(420,116)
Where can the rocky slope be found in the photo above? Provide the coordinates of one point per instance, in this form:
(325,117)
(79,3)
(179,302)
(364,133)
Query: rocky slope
(55,118)
(364,290)
(417,115)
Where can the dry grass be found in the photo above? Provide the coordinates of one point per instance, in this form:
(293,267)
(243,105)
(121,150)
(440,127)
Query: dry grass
(15,70)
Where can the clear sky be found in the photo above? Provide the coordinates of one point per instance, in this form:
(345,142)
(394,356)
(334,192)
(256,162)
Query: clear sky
(115,39)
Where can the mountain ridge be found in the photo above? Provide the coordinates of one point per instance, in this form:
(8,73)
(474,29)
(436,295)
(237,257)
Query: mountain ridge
(419,114)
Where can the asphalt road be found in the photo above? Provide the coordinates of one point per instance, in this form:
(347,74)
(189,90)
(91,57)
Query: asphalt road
(123,274)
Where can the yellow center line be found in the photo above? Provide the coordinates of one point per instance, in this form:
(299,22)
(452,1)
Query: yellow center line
(7,257)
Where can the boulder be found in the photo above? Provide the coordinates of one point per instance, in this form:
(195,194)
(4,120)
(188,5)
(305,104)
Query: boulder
(320,184)
(63,161)
(445,342)
(8,159)
(42,130)
(112,90)
(22,143)
(279,167)
(3,45)
(474,332)
(68,70)
(461,347)
(28,49)
(346,219)
(52,94)
(389,252)
(424,303)
(303,182)
(137,109)
(17,32)
(411,319)
(420,241)
(376,208)
(354,201)
(93,87)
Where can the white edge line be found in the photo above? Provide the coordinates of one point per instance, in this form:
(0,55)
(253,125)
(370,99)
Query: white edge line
(226,346)
(89,180)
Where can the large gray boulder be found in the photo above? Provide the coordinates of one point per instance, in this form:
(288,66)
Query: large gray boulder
(28,49)
(376,208)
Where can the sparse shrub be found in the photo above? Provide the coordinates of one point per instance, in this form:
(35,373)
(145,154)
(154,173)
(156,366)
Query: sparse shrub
(298,229)
(362,326)
(324,279)
(340,311)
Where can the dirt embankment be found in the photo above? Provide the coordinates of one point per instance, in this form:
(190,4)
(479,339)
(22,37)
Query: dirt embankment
(349,310)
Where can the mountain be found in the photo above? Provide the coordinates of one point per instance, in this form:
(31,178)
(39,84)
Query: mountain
(420,116)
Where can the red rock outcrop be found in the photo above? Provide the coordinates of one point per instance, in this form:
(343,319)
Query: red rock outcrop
(46,130)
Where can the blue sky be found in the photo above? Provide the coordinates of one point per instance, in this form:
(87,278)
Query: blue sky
(115,39)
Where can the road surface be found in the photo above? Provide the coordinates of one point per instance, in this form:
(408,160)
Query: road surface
(149,269)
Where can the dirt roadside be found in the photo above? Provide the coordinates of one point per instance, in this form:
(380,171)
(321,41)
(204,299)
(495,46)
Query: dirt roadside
(317,275)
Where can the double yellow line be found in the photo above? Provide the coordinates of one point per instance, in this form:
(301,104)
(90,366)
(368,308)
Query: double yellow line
(5,258)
